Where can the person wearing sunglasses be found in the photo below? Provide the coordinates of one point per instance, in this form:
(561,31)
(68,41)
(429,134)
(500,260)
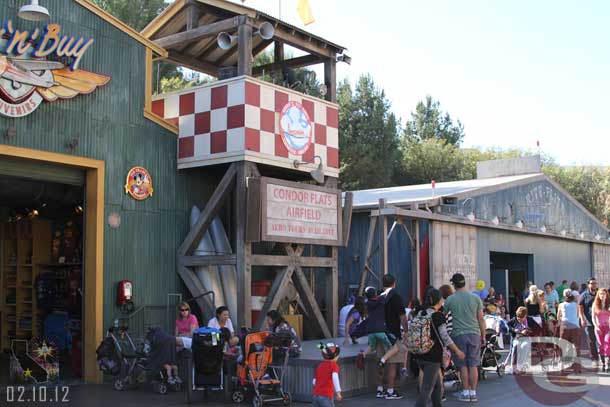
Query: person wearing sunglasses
(186,323)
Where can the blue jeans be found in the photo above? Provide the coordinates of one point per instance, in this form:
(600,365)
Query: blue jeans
(321,401)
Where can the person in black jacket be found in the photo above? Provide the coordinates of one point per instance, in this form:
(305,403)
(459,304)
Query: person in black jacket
(521,325)
(430,362)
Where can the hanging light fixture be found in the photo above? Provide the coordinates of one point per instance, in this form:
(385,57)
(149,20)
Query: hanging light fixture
(33,12)
(519,224)
(543,229)
(495,221)
(33,213)
(78,209)
(471,216)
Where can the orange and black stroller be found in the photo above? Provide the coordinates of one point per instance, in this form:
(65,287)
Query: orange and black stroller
(263,369)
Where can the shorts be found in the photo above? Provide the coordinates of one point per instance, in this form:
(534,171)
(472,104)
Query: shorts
(397,358)
(470,344)
(381,338)
(321,401)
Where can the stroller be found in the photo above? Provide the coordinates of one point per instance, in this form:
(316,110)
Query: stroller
(118,356)
(207,372)
(259,374)
(496,327)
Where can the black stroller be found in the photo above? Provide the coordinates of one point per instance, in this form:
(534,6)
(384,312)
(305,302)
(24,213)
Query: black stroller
(206,372)
(119,357)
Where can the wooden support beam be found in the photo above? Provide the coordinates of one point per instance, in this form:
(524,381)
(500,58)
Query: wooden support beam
(292,63)
(347,217)
(198,33)
(204,261)
(192,17)
(244,52)
(192,63)
(278,52)
(332,294)
(194,285)
(292,38)
(211,209)
(309,300)
(276,293)
(369,248)
(415,254)
(243,249)
(330,79)
(383,240)
(261,47)
(284,261)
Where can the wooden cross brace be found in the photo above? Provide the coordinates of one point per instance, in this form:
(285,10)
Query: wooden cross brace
(293,270)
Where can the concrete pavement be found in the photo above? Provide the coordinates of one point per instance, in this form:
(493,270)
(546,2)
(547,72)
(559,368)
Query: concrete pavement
(509,391)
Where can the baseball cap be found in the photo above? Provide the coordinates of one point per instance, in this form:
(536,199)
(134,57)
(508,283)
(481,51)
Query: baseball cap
(458,279)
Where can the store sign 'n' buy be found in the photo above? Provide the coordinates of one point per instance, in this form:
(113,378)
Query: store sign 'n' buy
(41,65)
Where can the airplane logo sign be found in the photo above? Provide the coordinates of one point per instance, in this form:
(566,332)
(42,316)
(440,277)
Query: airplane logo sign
(41,66)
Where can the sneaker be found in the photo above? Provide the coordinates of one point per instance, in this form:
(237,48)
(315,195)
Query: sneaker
(394,396)
(473,397)
(381,394)
(360,360)
(464,397)
(381,364)
(404,372)
(443,397)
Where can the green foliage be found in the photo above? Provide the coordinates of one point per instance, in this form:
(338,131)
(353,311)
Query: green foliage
(429,122)
(301,79)
(369,141)
(135,13)
(178,83)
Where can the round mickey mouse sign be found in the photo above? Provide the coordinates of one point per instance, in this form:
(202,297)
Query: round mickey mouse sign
(138,183)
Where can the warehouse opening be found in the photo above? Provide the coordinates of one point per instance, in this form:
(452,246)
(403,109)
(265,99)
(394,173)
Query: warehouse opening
(509,273)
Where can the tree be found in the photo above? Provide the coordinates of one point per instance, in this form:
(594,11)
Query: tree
(430,159)
(428,122)
(135,13)
(369,142)
(301,79)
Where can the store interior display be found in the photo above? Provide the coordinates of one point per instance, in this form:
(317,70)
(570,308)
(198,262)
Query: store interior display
(41,271)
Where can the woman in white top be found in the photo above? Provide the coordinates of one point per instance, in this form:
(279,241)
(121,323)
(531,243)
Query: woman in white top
(223,320)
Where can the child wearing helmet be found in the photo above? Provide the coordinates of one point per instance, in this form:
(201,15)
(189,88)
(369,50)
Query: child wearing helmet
(326,385)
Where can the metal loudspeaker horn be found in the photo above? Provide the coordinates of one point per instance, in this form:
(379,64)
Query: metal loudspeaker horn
(266,31)
(225,40)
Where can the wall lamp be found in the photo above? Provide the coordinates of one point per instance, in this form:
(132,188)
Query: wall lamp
(318,173)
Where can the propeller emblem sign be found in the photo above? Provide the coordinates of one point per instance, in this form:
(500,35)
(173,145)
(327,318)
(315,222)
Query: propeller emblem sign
(41,65)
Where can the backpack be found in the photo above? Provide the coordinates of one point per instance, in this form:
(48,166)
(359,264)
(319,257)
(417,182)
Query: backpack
(419,335)
(375,322)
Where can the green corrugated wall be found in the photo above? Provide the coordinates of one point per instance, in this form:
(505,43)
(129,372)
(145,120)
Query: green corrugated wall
(110,126)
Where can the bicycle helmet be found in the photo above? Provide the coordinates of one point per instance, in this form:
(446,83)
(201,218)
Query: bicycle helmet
(329,350)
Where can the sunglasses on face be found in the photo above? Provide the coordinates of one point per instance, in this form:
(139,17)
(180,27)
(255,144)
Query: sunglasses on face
(183,309)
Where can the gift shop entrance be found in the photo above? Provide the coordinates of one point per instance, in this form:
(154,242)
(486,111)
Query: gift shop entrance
(43,255)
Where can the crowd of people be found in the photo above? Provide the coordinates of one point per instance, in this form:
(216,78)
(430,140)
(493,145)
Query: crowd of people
(448,327)
(458,320)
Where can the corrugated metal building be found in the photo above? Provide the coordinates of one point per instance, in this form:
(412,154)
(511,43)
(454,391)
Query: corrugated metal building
(114,131)
(504,228)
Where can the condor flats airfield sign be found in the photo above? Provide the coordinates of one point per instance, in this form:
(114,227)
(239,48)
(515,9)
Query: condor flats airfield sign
(41,65)
(300,213)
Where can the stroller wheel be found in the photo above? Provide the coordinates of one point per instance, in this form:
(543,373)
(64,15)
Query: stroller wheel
(287,400)
(257,401)
(238,396)
(175,387)
(119,385)
(160,388)
(500,370)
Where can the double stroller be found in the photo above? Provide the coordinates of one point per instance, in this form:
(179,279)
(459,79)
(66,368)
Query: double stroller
(257,375)
(130,365)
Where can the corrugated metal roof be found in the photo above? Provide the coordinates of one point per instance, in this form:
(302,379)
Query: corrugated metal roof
(408,194)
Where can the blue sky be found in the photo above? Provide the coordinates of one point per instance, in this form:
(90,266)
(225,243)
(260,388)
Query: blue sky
(513,72)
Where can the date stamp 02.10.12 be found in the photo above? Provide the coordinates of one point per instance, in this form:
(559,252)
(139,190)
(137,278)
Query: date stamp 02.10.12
(36,395)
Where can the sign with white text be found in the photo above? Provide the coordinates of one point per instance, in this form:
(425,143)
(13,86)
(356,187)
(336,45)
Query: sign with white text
(300,213)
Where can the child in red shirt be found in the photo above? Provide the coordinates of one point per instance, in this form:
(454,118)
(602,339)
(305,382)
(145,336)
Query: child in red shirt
(326,386)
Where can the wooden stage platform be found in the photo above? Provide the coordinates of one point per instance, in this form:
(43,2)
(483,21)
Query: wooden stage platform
(354,381)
